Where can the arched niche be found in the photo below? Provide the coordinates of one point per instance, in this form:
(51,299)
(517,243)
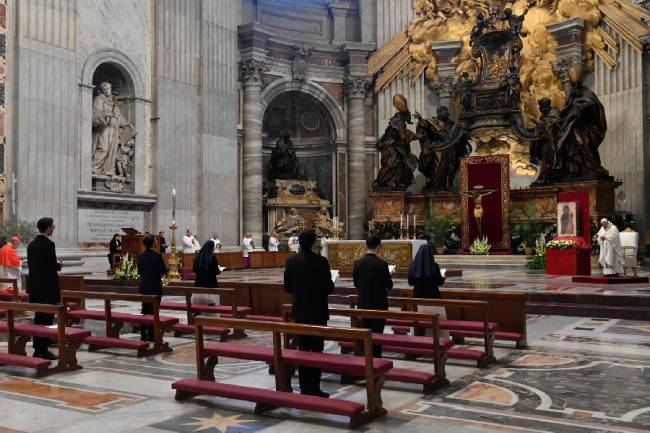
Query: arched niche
(313,133)
(129,90)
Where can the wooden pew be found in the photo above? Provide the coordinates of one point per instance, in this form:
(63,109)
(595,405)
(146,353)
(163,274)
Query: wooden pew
(13,293)
(283,361)
(115,320)
(508,309)
(190,309)
(486,328)
(68,339)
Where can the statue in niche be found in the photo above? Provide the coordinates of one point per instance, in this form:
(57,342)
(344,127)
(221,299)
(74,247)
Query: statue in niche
(543,150)
(442,144)
(582,128)
(397,161)
(124,160)
(299,63)
(284,162)
(291,225)
(324,226)
(111,131)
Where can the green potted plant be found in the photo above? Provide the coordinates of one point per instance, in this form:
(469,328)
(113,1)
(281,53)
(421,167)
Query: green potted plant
(438,230)
(527,232)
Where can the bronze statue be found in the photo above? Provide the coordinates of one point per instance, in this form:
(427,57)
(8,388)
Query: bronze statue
(512,84)
(465,92)
(543,150)
(515,22)
(479,27)
(291,225)
(397,161)
(581,130)
(284,162)
(442,144)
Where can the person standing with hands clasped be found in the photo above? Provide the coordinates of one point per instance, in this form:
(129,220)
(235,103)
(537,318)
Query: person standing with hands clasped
(425,277)
(43,285)
(307,277)
(372,280)
(151,268)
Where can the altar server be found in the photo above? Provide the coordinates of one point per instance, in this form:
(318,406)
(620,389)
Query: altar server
(247,247)
(189,242)
(274,243)
(611,253)
(217,242)
(372,279)
(307,277)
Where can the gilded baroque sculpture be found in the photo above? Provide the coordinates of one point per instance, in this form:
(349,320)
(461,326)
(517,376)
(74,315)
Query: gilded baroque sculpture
(324,226)
(397,161)
(113,140)
(442,144)
(291,225)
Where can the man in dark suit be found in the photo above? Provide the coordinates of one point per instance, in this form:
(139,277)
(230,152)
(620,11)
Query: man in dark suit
(43,280)
(307,276)
(372,280)
(151,268)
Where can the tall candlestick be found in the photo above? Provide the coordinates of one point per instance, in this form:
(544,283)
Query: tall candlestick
(407,226)
(414,227)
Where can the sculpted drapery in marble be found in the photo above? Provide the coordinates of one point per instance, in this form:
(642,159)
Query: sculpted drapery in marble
(111,130)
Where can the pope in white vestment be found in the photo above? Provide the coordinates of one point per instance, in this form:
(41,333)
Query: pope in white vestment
(611,253)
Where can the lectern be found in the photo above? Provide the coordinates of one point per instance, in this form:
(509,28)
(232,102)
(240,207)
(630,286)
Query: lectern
(132,242)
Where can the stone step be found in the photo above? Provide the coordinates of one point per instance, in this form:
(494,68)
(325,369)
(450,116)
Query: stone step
(469,261)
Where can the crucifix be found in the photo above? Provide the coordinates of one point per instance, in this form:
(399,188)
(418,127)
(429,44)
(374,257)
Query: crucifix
(477,196)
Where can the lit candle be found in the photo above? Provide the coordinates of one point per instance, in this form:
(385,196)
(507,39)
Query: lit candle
(414,225)
(401,222)
(174,191)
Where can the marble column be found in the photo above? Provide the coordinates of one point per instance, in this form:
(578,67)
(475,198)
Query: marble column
(355,88)
(569,35)
(445,53)
(251,71)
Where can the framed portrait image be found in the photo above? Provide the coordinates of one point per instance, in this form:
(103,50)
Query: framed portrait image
(568,219)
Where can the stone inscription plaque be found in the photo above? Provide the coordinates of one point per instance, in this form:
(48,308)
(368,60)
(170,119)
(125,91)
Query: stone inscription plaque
(99,225)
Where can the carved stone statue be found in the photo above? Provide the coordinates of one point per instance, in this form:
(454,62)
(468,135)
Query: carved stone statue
(543,151)
(110,131)
(284,162)
(397,161)
(124,160)
(442,144)
(324,226)
(299,63)
(581,130)
(292,224)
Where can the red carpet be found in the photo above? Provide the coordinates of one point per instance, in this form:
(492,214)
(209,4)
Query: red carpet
(602,279)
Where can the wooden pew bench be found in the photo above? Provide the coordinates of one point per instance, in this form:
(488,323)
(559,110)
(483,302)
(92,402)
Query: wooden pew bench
(12,293)
(190,309)
(508,309)
(484,328)
(115,321)
(18,334)
(284,362)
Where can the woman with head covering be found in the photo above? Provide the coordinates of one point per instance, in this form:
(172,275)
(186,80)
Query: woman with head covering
(206,269)
(425,277)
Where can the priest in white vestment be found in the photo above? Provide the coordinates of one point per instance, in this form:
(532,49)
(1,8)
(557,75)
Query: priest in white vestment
(611,253)
(189,243)
(274,243)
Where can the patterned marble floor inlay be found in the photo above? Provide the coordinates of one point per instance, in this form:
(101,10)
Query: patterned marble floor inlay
(66,396)
(217,421)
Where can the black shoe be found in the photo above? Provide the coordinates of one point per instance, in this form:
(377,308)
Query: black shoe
(316,393)
(46,355)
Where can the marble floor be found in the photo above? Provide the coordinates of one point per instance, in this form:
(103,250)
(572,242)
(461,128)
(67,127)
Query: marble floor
(578,375)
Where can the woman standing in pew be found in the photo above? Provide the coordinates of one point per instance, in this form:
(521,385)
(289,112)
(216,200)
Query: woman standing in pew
(425,277)
(206,269)
(151,268)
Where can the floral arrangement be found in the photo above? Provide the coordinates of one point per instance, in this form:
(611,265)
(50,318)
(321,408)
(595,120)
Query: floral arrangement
(538,262)
(480,247)
(561,244)
(127,270)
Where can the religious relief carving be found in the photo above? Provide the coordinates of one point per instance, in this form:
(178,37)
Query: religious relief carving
(397,161)
(356,87)
(299,62)
(113,141)
(251,71)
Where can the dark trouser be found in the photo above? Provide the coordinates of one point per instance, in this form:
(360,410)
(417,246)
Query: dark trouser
(310,377)
(146,331)
(377,326)
(41,343)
